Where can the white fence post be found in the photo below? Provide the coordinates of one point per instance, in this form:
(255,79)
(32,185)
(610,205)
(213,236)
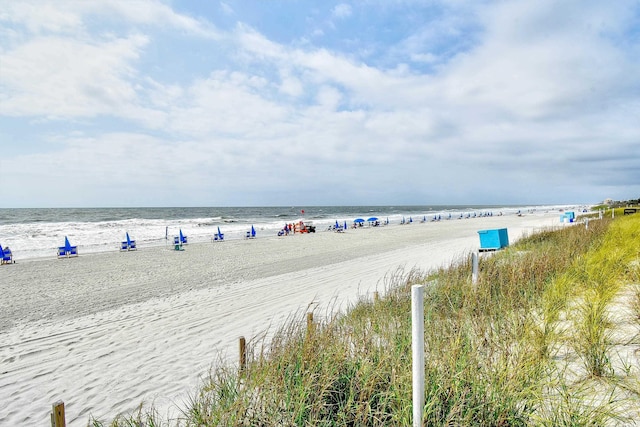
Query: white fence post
(474,268)
(417,347)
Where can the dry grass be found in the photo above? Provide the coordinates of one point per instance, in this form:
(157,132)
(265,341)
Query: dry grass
(532,343)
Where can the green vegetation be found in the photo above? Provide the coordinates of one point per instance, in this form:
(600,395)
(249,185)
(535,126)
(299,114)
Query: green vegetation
(531,343)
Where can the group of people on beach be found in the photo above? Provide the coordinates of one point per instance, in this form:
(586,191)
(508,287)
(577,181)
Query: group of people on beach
(296,227)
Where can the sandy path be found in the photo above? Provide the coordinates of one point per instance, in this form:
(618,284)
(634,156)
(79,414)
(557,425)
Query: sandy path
(104,332)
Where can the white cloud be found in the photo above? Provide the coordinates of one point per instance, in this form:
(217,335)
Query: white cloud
(41,17)
(544,96)
(226,8)
(342,10)
(69,16)
(59,77)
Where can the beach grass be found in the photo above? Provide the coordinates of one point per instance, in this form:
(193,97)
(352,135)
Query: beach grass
(530,343)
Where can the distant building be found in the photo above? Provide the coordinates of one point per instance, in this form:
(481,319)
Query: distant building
(608,201)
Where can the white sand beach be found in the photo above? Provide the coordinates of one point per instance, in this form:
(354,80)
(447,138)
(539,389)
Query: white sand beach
(105,332)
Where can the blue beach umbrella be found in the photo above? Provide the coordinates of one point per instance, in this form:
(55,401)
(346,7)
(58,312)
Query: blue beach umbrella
(66,242)
(358,220)
(337,225)
(345,225)
(219,231)
(372,219)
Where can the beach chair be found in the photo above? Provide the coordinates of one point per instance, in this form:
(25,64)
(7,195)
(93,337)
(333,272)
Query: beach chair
(180,240)
(251,234)
(67,250)
(7,256)
(128,245)
(218,237)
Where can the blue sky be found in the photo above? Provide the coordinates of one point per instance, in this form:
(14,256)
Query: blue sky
(236,103)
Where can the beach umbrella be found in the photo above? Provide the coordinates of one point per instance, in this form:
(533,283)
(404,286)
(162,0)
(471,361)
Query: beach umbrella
(66,242)
(253,230)
(372,219)
(358,220)
(337,225)
(345,225)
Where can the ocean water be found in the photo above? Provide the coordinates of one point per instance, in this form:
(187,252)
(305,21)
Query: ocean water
(37,233)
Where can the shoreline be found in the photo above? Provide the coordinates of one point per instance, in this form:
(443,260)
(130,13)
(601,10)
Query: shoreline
(102,230)
(105,331)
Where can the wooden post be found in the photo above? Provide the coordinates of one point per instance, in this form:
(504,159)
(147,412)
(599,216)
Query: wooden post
(57,415)
(243,354)
(310,322)
(376,297)
(417,347)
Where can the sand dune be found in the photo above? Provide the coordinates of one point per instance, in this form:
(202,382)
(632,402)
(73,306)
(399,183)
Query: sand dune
(104,332)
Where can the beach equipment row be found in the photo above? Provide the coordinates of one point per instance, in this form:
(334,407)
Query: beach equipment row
(129,244)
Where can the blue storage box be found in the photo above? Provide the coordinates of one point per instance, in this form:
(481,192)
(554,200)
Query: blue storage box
(493,239)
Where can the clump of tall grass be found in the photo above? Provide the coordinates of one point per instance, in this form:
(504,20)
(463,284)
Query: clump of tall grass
(591,335)
(488,349)
(600,277)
